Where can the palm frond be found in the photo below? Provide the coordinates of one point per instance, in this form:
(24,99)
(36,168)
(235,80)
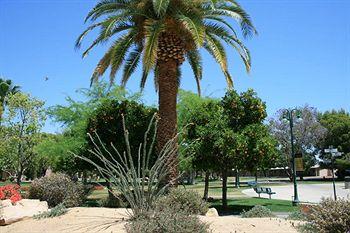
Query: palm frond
(239,14)
(119,52)
(225,35)
(105,34)
(195,61)
(195,27)
(152,31)
(160,6)
(105,7)
(217,50)
(131,64)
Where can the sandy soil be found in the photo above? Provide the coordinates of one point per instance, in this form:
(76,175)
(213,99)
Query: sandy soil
(112,220)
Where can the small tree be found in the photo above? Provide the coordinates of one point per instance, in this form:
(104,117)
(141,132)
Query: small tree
(23,120)
(308,134)
(337,124)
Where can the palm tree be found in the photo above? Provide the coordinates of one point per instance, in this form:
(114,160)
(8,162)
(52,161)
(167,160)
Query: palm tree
(6,88)
(161,34)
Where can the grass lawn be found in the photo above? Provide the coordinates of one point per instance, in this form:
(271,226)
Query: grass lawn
(236,206)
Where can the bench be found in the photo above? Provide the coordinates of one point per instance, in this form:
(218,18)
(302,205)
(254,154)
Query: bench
(260,190)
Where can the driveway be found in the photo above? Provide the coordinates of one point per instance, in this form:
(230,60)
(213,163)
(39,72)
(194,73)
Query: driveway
(307,192)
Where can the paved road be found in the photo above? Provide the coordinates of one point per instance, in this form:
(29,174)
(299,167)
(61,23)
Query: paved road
(307,192)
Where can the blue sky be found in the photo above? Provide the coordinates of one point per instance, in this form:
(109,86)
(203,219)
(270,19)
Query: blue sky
(301,55)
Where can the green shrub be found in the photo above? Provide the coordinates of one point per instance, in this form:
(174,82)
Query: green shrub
(186,200)
(258,211)
(54,212)
(171,219)
(330,216)
(57,189)
(114,202)
(297,215)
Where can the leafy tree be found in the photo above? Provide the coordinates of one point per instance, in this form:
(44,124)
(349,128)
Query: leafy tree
(23,120)
(163,33)
(246,140)
(74,118)
(6,88)
(261,149)
(308,133)
(337,124)
(105,124)
(227,134)
(197,115)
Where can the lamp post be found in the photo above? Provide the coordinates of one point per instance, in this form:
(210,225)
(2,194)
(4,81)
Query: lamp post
(288,115)
(334,153)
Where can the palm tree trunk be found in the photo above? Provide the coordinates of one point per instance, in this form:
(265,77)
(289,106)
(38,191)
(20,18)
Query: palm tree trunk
(167,126)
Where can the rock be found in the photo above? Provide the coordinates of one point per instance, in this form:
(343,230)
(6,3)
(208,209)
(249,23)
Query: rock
(212,212)
(5,203)
(22,209)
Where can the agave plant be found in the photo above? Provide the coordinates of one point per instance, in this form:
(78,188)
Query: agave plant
(161,34)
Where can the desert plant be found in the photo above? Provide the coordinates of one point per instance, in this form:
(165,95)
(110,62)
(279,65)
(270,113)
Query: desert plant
(330,216)
(170,219)
(56,189)
(139,182)
(297,215)
(114,201)
(54,212)
(258,211)
(186,200)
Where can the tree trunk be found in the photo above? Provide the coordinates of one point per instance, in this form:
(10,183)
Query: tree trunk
(256,176)
(224,189)
(167,125)
(19,177)
(206,185)
(237,179)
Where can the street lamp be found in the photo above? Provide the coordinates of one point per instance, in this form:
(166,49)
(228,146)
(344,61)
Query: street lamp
(334,153)
(288,115)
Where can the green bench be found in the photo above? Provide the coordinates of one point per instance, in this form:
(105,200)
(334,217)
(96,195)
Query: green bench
(260,190)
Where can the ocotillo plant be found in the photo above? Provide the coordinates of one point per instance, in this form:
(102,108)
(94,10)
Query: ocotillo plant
(140,183)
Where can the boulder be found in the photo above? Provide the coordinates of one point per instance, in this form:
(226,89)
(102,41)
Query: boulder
(22,209)
(212,212)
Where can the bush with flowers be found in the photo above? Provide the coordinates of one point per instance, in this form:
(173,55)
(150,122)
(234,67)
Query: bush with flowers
(11,192)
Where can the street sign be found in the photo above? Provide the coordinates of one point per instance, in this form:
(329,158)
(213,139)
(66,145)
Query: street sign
(299,165)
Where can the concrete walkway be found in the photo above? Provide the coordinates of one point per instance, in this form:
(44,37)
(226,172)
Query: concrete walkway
(307,192)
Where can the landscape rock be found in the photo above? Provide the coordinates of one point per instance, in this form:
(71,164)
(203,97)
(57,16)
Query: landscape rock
(212,212)
(5,203)
(22,209)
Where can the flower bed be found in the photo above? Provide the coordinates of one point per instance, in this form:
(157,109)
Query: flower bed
(11,192)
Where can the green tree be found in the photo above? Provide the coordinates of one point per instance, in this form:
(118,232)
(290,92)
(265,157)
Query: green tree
(105,125)
(195,114)
(261,152)
(226,134)
(6,88)
(308,133)
(162,33)
(23,121)
(74,117)
(337,124)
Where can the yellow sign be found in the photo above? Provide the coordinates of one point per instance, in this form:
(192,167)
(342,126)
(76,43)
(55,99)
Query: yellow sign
(299,166)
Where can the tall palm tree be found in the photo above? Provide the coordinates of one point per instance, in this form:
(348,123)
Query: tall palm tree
(161,34)
(6,88)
